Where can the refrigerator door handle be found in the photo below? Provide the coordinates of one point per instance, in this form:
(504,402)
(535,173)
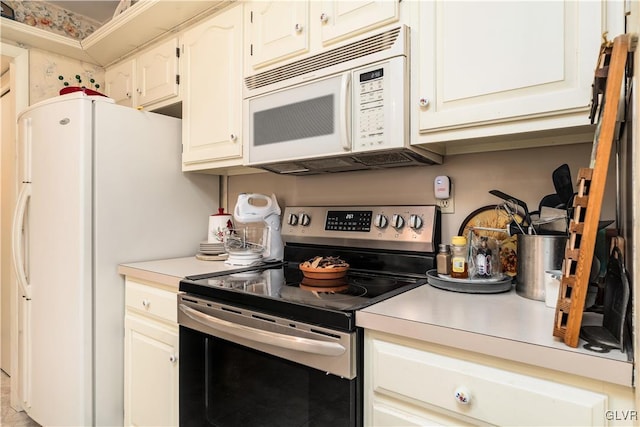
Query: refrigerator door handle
(17,240)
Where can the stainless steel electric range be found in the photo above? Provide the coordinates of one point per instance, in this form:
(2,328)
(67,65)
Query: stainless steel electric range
(264,345)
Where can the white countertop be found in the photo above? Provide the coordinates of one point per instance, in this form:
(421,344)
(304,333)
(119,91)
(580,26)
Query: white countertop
(503,325)
(171,271)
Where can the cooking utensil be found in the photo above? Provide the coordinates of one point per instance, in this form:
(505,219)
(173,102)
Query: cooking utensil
(563,184)
(508,198)
(537,254)
(616,299)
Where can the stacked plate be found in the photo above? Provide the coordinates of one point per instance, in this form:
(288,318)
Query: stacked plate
(211,248)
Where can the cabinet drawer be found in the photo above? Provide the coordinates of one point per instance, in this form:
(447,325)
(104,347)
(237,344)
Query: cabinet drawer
(153,301)
(493,395)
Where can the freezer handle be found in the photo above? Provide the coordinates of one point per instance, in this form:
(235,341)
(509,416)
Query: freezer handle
(17,240)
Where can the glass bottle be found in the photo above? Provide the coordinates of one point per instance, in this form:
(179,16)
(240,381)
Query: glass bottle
(459,266)
(443,260)
(483,259)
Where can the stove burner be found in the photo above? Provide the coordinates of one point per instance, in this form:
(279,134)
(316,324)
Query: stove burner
(370,281)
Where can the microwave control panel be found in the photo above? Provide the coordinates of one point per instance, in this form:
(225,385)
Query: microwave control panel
(371,107)
(392,227)
(379,98)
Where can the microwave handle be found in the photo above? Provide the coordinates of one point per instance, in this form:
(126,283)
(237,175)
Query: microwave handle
(345,113)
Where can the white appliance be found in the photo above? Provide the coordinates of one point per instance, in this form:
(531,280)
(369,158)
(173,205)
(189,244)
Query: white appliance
(102,185)
(252,208)
(343,109)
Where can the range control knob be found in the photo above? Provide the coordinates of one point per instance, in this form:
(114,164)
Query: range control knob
(292,219)
(415,222)
(380,221)
(305,220)
(397,221)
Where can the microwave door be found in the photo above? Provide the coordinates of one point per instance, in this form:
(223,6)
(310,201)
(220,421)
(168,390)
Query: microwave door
(310,120)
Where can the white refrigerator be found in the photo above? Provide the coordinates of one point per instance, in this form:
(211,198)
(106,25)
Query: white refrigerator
(101,185)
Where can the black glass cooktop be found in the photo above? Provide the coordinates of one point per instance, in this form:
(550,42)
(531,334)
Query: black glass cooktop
(282,290)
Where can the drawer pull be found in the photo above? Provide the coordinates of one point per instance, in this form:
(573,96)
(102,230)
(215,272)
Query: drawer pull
(173,358)
(463,395)
(146,303)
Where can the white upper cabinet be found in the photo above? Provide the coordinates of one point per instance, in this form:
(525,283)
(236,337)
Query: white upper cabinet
(277,31)
(212,92)
(157,73)
(119,82)
(148,79)
(485,63)
(341,19)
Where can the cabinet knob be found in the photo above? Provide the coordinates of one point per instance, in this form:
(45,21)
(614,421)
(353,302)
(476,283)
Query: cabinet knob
(139,90)
(324,18)
(462,395)
(424,102)
(298,28)
(129,95)
(233,137)
(173,358)
(146,303)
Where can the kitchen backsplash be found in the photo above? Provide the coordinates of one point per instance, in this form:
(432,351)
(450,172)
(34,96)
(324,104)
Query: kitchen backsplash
(525,174)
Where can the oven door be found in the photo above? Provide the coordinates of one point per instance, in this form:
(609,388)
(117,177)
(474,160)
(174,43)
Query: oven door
(240,367)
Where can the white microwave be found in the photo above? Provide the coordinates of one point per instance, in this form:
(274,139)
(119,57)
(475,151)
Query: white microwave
(344,109)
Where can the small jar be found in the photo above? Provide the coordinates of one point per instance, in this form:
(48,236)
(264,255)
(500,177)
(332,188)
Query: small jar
(459,266)
(443,260)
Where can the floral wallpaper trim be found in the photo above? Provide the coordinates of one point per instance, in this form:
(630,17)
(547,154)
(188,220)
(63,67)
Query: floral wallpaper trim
(51,18)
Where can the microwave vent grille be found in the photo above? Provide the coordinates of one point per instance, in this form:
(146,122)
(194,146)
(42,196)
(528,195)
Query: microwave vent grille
(374,44)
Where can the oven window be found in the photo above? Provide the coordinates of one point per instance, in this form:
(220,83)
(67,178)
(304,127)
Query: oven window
(225,384)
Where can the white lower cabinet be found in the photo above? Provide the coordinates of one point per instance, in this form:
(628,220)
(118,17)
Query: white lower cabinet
(410,385)
(151,356)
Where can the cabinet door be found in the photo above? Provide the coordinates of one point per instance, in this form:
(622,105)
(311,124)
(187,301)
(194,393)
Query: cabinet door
(157,73)
(342,19)
(118,83)
(276,30)
(151,373)
(212,92)
(406,377)
(488,62)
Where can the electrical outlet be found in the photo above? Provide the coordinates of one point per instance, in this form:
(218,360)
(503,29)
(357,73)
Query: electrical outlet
(446,205)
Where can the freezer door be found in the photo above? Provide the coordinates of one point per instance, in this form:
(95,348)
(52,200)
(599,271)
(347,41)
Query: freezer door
(57,140)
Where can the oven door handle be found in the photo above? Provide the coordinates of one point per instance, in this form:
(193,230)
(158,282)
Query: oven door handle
(306,345)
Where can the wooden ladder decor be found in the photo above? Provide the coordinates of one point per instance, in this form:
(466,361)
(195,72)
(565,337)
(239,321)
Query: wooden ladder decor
(587,204)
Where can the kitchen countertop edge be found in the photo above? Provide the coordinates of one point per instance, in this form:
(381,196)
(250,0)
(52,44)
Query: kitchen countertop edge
(170,271)
(399,319)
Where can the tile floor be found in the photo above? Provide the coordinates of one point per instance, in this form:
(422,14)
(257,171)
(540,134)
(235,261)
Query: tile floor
(8,416)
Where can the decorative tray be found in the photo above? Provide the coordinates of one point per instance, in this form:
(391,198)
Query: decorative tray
(471,286)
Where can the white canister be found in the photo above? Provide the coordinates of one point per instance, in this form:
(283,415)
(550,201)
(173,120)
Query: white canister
(219,224)
(552,287)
